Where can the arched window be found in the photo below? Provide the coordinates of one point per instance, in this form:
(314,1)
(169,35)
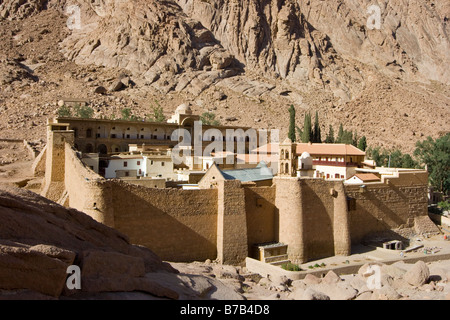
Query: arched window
(286,168)
(89,133)
(102,149)
(287,155)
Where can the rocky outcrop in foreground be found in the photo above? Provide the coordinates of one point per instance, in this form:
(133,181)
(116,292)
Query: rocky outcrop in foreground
(39,240)
(374,281)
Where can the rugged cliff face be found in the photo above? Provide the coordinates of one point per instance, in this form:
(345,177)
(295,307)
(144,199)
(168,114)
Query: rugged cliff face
(325,41)
(249,59)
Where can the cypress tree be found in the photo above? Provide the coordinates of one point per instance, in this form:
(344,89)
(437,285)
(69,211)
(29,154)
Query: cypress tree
(355,139)
(307,129)
(291,133)
(330,135)
(362,144)
(316,136)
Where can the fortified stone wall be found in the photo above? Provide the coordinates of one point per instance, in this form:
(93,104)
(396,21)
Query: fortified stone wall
(262,215)
(392,205)
(325,218)
(232,245)
(315,218)
(86,190)
(178,225)
(53,187)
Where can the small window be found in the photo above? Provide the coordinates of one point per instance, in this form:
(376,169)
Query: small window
(125,164)
(127,174)
(162,164)
(138,163)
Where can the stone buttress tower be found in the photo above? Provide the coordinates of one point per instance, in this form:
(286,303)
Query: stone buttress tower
(57,136)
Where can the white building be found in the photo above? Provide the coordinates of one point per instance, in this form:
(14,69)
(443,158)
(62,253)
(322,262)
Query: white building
(361,178)
(126,166)
(155,166)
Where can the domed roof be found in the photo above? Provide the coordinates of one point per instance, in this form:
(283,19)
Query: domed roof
(305,155)
(183,109)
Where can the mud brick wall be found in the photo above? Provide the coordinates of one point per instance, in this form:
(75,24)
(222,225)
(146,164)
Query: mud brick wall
(87,191)
(387,206)
(262,215)
(313,218)
(178,225)
(232,244)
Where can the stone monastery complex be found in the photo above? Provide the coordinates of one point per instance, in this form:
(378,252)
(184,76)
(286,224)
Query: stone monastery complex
(175,188)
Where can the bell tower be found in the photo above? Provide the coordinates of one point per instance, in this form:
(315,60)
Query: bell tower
(288,160)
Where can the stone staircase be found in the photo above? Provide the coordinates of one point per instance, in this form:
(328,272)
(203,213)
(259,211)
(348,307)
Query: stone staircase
(274,253)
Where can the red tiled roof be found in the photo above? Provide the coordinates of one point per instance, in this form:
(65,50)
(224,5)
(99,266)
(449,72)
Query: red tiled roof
(366,177)
(316,149)
(329,149)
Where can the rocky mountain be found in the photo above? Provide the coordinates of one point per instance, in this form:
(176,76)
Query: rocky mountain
(249,59)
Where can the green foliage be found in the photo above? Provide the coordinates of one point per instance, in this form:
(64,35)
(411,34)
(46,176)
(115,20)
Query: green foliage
(317,265)
(126,114)
(362,143)
(209,118)
(345,136)
(291,133)
(316,135)
(444,205)
(291,267)
(392,158)
(85,112)
(307,129)
(355,139)
(435,155)
(330,136)
(158,113)
(64,112)
(299,132)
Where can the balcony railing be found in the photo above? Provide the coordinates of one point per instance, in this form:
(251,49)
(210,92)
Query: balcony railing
(334,163)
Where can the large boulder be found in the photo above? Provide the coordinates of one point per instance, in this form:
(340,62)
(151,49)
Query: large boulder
(418,274)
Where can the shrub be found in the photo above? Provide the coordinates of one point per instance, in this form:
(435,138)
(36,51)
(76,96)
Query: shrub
(291,267)
(83,111)
(64,111)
